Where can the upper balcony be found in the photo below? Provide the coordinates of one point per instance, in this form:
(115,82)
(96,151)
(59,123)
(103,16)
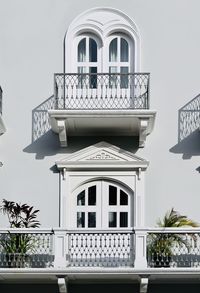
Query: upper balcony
(102,104)
(90,253)
(2,125)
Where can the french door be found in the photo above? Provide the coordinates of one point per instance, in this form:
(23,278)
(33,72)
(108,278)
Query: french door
(102,68)
(102,205)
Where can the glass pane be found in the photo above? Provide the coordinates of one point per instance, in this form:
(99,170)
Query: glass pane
(81,69)
(91,220)
(112,219)
(93,77)
(123,198)
(113,69)
(123,50)
(80,220)
(113,78)
(82,50)
(113,50)
(112,195)
(82,77)
(124,77)
(92,196)
(123,219)
(81,198)
(92,50)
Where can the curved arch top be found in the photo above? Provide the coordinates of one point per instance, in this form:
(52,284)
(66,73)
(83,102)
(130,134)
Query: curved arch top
(101,21)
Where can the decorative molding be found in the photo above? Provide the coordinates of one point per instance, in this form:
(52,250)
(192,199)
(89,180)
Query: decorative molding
(64,173)
(143,132)
(102,21)
(103,155)
(144,281)
(139,173)
(62,285)
(62,133)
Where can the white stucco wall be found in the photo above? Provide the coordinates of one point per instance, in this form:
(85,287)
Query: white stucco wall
(31,50)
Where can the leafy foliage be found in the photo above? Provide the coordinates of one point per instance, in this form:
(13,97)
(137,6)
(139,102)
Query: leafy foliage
(174,219)
(20,215)
(160,245)
(17,245)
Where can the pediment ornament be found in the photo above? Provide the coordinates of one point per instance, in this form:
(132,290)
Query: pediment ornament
(102,156)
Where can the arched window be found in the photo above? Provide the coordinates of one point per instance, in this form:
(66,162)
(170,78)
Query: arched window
(103,204)
(87,59)
(119,60)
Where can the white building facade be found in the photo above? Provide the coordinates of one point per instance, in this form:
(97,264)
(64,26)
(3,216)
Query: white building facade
(100,150)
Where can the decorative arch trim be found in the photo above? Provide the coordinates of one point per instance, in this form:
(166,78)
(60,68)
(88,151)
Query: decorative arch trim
(101,21)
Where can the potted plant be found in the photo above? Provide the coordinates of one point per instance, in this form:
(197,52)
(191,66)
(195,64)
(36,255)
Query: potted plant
(16,246)
(160,245)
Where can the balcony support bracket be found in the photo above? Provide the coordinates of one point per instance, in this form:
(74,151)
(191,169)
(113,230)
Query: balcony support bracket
(144,280)
(143,132)
(62,133)
(62,285)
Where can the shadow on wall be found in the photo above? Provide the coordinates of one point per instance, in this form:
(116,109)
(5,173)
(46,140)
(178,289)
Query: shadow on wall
(46,143)
(188,130)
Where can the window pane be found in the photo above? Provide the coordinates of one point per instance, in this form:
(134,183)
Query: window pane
(82,77)
(113,69)
(113,50)
(81,198)
(92,50)
(112,219)
(80,220)
(93,77)
(123,198)
(123,50)
(91,220)
(81,69)
(113,78)
(112,195)
(92,196)
(82,50)
(123,219)
(124,77)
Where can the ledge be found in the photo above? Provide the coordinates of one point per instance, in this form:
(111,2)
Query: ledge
(50,275)
(138,123)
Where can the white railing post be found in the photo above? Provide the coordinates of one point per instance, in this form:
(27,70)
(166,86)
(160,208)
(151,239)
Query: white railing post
(140,249)
(60,248)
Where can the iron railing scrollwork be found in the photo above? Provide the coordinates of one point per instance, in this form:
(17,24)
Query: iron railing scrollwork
(101,91)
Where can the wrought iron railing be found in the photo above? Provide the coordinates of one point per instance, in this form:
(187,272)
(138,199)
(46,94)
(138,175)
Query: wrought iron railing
(1,98)
(173,248)
(101,249)
(102,91)
(189,118)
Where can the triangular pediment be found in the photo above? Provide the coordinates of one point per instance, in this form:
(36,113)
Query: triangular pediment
(101,153)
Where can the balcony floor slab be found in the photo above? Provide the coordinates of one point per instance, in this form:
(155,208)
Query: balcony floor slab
(125,122)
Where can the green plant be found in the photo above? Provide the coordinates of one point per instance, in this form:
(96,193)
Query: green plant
(18,245)
(20,215)
(160,245)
